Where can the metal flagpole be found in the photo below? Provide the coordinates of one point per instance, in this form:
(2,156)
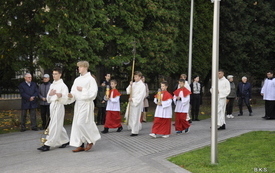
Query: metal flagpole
(132,76)
(190,43)
(215,65)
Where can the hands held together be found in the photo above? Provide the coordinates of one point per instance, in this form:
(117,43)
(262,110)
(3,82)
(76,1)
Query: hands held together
(53,92)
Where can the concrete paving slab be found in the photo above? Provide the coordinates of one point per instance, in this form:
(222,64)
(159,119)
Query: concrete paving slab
(118,152)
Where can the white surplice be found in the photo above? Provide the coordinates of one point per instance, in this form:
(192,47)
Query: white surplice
(84,129)
(182,105)
(268,89)
(113,104)
(57,133)
(134,108)
(164,110)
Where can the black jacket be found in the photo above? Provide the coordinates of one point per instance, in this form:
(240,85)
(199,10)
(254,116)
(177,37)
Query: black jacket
(26,93)
(244,90)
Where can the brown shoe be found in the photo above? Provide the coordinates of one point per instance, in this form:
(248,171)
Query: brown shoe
(88,146)
(78,149)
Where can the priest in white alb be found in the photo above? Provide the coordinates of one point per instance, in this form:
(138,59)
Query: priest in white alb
(268,93)
(137,91)
(83,92)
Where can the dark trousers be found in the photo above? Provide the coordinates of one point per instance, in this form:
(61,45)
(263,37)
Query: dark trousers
(229,106)
(101,115)
(32,116)
(45,115)
(195,106)
(270,108)
(246,101)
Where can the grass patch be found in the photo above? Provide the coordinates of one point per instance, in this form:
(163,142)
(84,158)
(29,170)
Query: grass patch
(250,152)
(10,120)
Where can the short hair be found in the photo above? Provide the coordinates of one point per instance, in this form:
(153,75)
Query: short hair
(244,77)
(27,74)
(107,74)
(182,80)
(230,76)
(270,71)
(83,64)
(164,83)
(59,70)
(184,75)
(138,73)
(221,70)
(113,80)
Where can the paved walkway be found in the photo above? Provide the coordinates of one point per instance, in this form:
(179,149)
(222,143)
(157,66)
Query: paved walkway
(118,152)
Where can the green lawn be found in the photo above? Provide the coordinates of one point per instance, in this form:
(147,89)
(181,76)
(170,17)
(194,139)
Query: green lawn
(248,153)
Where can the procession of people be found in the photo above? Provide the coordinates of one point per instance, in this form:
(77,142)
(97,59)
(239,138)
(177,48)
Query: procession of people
(85,92)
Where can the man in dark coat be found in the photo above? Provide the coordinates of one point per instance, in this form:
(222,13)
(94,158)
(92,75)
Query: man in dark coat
(244,95)
(29,92)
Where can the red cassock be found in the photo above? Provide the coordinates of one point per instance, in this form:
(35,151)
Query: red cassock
(180,122)
(113,118)
(162,126)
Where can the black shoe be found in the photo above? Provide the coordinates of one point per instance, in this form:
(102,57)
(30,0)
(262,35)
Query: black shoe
(64,145)
(44,148)
(106,130)
(240,114)
(40,148)
(187,130)
(22,130)
(269,118)
(133,134)
(222,127)
(264,117)
(197,119)
(250,114)
(190,121)
(143,121)
(35,129)
(120,129)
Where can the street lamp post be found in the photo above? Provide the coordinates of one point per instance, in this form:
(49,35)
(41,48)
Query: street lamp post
(215,66)
(190,42)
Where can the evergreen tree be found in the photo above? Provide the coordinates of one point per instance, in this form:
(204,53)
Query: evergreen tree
(74,32)
(247,37)
(152,25)
(19,36)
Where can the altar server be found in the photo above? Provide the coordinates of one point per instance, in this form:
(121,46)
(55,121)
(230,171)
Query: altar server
(163,113)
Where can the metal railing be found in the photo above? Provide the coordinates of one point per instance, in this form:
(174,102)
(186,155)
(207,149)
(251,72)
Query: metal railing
(8,93)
